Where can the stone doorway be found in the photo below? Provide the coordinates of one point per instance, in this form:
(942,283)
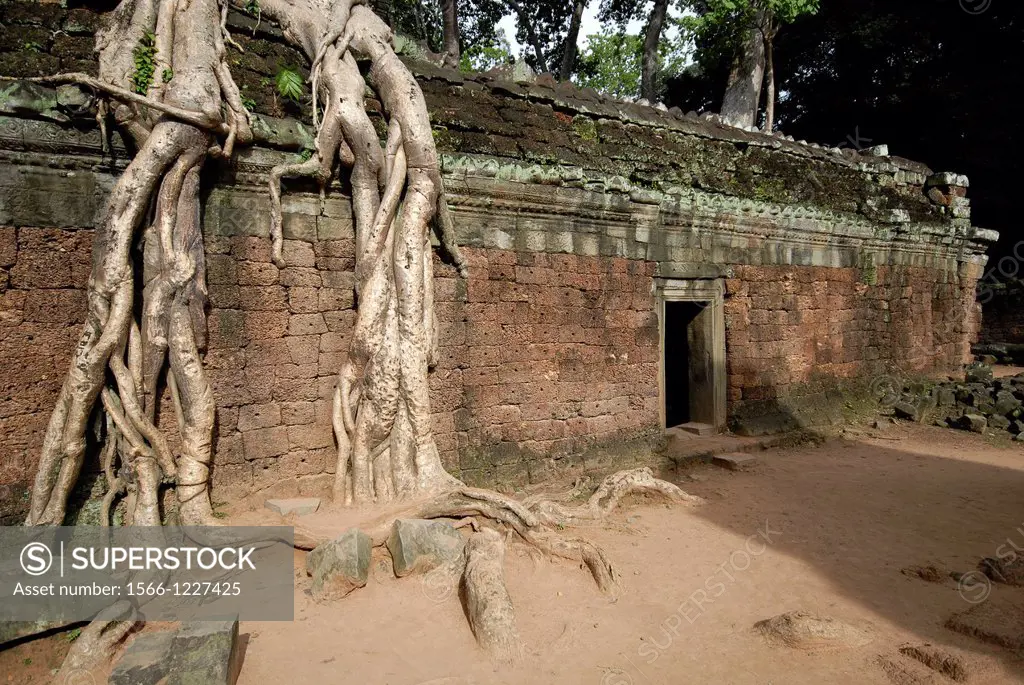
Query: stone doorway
(692,379)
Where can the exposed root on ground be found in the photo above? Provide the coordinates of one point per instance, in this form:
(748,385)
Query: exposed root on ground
(97,642)
(488,606)
(538,522)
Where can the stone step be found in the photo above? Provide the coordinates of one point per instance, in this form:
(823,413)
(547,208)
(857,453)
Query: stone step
(300,506)
(735,461)
(701,429)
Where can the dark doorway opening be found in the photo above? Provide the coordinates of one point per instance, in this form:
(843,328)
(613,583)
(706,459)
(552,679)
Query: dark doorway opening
(689,394)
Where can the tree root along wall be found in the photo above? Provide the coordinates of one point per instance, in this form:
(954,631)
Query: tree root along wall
(192,110)
(132,346)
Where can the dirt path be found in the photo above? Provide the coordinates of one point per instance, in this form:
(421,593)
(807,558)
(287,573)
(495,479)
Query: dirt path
(825,529)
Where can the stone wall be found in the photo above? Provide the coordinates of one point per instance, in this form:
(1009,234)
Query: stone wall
(1003,306)
(571,208)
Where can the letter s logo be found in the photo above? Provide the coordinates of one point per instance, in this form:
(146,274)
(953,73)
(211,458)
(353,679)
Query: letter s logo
(36,558)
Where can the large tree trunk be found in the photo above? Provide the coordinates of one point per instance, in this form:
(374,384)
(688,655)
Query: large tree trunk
(651,66)
(450,20)
(569,57)
(743,92)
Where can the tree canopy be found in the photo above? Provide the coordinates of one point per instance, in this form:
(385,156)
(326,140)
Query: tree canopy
(610,63)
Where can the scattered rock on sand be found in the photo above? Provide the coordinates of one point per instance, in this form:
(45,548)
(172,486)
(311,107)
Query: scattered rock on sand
(998,620)
(903,671)
(930,574)
(340,566)
(205,652)
(418,546)
(802,630)
(1007,571)
(949,665)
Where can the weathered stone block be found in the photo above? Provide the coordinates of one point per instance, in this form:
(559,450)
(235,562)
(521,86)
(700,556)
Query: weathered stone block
(146,661)
(735,462)
(974,422)
(310,436)
(265,442)
(307,324)
(979,374)
(907,410)
(418,546)
(999,422)
(205,653)
(300,506)
(296,413)
(1006,402)
(257,416)
(340,566)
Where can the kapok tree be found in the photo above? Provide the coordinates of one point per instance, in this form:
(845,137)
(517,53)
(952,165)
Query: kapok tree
(181,110)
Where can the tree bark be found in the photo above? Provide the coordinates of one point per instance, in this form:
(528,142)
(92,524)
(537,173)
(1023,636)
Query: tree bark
(450,17)
(569,57)
(769,60)
(488,606)
(650,66)
(531,35)
(746,78)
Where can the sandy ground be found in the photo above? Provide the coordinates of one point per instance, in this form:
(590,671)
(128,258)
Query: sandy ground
(825,529)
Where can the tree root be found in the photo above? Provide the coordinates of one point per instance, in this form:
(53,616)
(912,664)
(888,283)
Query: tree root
(382,417)
(537,522)
(96,644)
(488,605)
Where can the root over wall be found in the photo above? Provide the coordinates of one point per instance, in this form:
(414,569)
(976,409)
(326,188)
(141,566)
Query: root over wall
(549,351)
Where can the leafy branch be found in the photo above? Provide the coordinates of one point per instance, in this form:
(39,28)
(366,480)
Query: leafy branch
(145,63)
(290,84)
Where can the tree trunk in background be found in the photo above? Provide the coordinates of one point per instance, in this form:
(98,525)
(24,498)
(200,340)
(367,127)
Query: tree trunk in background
(650,65)
(524,21)
(569,58)
(450,18)
(743,92)
(769,68)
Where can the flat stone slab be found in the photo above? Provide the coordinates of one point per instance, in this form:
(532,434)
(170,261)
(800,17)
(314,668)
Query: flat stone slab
(418,545)
(205,653)
(340,566)
(145,662)
(300,506)
(702,429)
(736,461)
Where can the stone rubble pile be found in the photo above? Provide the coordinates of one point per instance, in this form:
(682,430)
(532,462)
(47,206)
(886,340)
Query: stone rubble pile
(979,403)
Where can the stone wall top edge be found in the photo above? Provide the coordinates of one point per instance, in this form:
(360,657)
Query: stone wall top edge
(685,210)
(543,123)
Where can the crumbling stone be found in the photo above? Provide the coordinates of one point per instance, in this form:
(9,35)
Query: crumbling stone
(974,423)
(300,506)
(979,373)
(146,661)
(340,566)
(205,653)
(418,546)
(980,406)
(906,410)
